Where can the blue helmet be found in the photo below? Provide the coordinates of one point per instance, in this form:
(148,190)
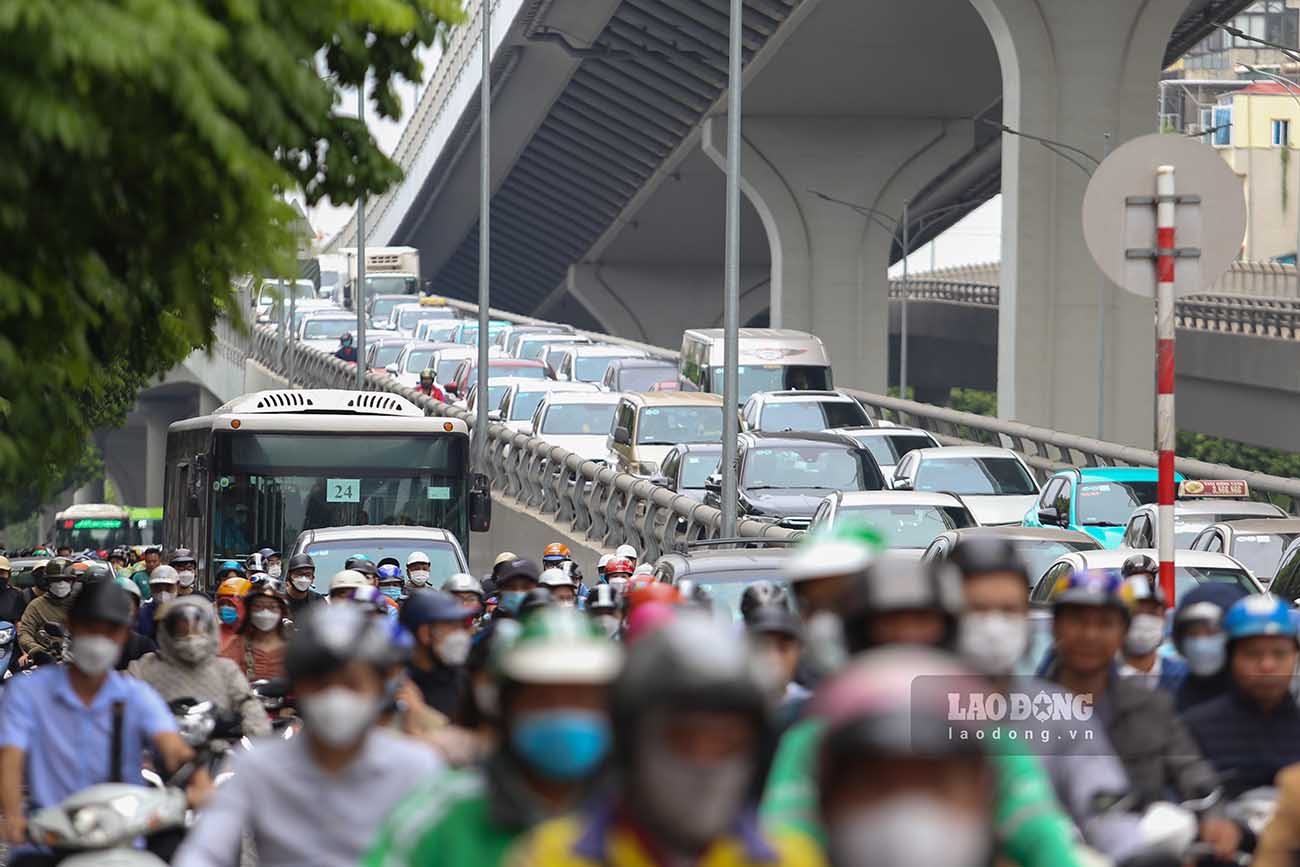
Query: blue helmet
(1259,615)
(432,606)
(231,566)
(390,572)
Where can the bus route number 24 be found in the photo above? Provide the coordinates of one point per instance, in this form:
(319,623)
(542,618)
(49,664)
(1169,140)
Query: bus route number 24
(343,490)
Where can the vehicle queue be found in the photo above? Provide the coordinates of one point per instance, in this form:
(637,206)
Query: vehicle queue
(352,695)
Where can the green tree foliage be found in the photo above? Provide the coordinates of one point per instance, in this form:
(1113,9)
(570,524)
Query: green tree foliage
(144,145)
(973,400)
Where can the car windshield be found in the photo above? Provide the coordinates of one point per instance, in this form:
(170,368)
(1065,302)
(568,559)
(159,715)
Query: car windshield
(446,368)
(592,369)
(821,467)
(406,319)
(384,284)
(505,368)
(495,393)
(670,425)
(592,419)
(1261,552)
(1109,504)
(725,589)
(436,330)
(330,557)
(386,354)
(993,476)
(525,403)
(888,449)
(273,289)
(1188,527)
(910,526)
(1039,554)
(417,360)
(381,309)
(696,468)
(812,415)
(320,329)
(641,377)
(775,377)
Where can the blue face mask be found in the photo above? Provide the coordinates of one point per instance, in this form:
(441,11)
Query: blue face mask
(393,593)
(1206,654)
(227,614)
(510,600)
(561,744)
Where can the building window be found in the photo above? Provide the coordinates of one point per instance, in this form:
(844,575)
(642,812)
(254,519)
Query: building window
(1222,128)
(1281,133)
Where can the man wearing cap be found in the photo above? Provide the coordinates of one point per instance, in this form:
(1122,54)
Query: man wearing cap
(514,579)
(57,725)
(344,582)
(443,632)
(13,601)
(417,570)
(297,590)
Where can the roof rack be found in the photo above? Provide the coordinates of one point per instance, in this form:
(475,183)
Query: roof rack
(740,541)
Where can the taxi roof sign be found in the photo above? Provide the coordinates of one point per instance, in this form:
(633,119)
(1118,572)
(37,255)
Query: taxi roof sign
(1204,488)
(433,301)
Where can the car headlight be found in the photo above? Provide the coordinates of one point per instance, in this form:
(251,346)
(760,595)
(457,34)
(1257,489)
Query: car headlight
(648,468)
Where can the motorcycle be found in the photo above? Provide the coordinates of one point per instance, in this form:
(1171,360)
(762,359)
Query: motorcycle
(1170,830)
(100,824)
(277,702)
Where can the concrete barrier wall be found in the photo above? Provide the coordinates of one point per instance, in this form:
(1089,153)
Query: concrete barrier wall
(526,534)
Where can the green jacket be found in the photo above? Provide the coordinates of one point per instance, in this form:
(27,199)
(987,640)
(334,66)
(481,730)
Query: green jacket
(1031,828)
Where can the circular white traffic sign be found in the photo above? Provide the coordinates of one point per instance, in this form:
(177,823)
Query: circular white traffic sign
(1118,231)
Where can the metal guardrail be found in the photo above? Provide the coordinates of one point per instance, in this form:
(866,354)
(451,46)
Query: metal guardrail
(1254,316)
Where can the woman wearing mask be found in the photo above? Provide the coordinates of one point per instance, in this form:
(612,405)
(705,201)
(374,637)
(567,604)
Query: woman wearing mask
(258,648)
(230,608)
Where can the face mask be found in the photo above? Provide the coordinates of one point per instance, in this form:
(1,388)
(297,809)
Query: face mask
(193,648)
(511,600)
(60,589)
(992,641)
(93,655)
(561,744)
(690,802)
(1205,655)
(164,596)
(419,578)
(393,593)
(273,570)
(265,619)
(337,716)
(609,623)
(301,583)
(909,831)
(228,614)
(453,648)
(1144,634)
(185,579)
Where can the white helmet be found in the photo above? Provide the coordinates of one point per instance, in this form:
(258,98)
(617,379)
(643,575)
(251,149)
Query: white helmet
(554,578)
(348,579)
(626,551)
(604,558)
(644,569)
(827,559)
(417,557)
(463,582)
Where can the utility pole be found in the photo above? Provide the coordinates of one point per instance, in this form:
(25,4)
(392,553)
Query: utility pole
(359,290)
(484,241)
(731,300)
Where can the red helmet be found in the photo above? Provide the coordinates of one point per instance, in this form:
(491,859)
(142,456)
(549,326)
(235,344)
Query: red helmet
(619,565)
(652,591)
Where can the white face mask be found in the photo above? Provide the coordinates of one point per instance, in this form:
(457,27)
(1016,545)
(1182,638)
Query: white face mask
(93,655)
(909,831)
(419,578)
(265,619)
(992,641)
(60,589)
(337,716)
(186,578)
(695,803)
(301,583)
(273,570)
(1144,634)
(453,648)
(1205,654)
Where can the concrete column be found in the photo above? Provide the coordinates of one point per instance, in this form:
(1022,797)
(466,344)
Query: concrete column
(656,303)
(208,402)
(1071,72)
(829,264)
(155,452)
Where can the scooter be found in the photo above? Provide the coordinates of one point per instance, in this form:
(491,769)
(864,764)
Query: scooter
(277,702)
(101,824)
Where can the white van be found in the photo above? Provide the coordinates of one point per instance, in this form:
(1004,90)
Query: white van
(771,359)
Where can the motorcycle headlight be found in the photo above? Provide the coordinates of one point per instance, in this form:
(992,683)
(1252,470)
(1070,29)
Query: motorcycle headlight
(98,825)
(6,636)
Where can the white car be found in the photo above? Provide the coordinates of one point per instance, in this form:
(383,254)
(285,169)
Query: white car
(272,291)
(888,442)
(1190,569)
(323,330)
(909,520)
(405,317)
(994,483)
(416,356)
(579,363)
(436,330)
(516,408)
(533,346)
(578,421)
(497,387)
(1190,518)
(778,411)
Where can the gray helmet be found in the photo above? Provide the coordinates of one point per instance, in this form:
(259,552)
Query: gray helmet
(893,583)
(554,578)
(301,561)
(329,637)
(197,612)
(255,562)
(463,582)
(164,574)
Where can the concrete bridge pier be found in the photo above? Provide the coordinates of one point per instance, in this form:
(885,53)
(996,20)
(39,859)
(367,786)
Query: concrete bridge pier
(1071,72)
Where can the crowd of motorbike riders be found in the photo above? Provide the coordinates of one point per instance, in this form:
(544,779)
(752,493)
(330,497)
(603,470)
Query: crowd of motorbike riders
(861,712)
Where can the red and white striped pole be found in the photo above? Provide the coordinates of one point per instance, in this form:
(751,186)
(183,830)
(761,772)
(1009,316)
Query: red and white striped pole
(1165,428)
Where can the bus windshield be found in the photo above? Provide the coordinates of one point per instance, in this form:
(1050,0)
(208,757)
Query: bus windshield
(775,377)
(269,487)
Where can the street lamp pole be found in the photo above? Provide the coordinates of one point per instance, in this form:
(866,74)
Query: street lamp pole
(359,290)
(484,240)
(907,288)
(731,299)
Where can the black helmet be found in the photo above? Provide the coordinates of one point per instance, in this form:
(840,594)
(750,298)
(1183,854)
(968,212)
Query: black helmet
(603,600)
(362,564)
(97,571)
(1139,564)
(978,555)
(759,594)
(104,601)
(775,619)
(329,637)
(538,597)
(346,338)
(301,561)
(183,557)
(121,552)
(893,583)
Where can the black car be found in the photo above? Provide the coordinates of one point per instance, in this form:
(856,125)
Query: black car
(637,374)
(687,468)
(784,476)
(723,573)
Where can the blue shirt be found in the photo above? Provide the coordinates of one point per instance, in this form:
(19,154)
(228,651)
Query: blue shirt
(67,744)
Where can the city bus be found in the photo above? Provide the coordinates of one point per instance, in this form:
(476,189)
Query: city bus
(268,465)
(146,525)
(94,526)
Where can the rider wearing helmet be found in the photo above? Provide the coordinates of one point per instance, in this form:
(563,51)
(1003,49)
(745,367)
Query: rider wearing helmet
(298,589)
(417,570)
(281,793)
(466,590)
(258,647)
(821,569)
(602,607)
(1252,731)
(549,689)
(274,564)
(230,569)
(514,578)
(442,629)
(50,607)
(344,582)
(13,600)
(760,594)
(626,552)
(554,554)
(618,573)
(429,385)
(187,571)
(346,351)
(691,725)
(230,606)
(390,581)
(560,586)
(186,665)
(364,565)
(1199,638)
(777,635)
(600,567)
(1146,631)
(163,581)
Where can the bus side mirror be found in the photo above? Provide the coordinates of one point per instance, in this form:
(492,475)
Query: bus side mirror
(480,504)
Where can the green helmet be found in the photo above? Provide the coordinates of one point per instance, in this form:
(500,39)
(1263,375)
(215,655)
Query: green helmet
(558,645)
(846,549)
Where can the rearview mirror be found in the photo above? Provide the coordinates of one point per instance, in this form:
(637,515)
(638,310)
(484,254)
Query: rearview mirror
(494,415)
(714,482)
(622,436)
(480,504)
(391,368)
(902,483)
(1048,516)
(661,480)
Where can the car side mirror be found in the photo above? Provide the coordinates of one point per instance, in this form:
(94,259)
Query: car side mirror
(480,504)
(622,436)
(902,483)
(494,415)
(714,482)
(450,388)
(1048,516)
(391,368)
(661,480)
